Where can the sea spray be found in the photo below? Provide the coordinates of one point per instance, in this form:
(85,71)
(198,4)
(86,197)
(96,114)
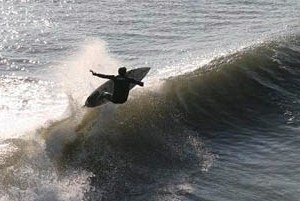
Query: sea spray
(73,72)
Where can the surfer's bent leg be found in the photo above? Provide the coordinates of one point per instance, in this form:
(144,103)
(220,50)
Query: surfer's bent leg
(107,96)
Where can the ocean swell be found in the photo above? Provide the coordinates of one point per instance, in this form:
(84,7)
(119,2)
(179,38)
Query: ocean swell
(255,86)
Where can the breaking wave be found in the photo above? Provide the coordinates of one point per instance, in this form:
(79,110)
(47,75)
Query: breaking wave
(132,150)
(128,148)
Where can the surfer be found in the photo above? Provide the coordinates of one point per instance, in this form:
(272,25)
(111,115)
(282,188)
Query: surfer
(121,85)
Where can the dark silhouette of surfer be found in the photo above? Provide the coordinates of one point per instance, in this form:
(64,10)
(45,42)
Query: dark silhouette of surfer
(121,85)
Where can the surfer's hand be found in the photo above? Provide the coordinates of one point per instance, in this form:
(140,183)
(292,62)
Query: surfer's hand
(142,84)
(92,72)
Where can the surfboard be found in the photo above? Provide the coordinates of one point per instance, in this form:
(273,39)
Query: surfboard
(95,99)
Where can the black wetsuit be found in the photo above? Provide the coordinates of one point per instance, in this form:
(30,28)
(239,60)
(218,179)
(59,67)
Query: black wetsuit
(121,87)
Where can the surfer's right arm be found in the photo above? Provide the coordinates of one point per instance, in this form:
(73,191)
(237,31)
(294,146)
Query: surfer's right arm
(102,75)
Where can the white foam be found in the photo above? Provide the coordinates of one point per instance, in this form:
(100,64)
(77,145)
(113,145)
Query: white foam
(74,72)
(26,104)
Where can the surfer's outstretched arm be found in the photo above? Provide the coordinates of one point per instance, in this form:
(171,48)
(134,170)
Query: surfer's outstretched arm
(102,75)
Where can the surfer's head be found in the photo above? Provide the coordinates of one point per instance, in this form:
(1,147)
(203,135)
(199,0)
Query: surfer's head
(122,71)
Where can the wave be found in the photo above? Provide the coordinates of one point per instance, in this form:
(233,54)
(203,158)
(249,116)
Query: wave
(126,151)
(133,144)
(252,86)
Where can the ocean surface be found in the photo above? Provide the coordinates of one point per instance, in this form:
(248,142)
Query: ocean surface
(217,120)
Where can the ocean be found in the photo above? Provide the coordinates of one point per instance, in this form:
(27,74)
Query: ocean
(218,118)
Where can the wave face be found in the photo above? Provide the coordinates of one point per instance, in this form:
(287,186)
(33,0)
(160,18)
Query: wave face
(137,150)
(256,86)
